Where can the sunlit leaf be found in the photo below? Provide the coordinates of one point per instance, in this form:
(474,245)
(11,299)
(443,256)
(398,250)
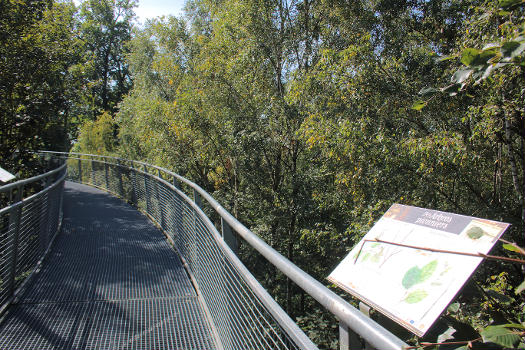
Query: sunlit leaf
(512,48)
(418,105)
(520,288)
(469,55)
(513,248)
(446,335)
(452,90)
(461,75)
(500,335)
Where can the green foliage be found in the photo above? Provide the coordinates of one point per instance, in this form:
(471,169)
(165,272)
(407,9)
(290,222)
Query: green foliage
(97,137)
(37,49)
(299,116)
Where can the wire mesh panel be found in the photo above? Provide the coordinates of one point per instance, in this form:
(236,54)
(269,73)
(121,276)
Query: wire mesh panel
(28,224)
(241,317)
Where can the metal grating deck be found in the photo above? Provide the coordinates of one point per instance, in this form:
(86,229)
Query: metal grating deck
(111,281)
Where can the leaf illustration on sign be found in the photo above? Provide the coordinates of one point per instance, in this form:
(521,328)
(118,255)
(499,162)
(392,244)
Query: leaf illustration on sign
(415,296)
(475,232)
(416,275)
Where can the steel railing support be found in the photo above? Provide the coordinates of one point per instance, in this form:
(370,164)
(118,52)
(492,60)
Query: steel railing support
(14,227)
(79,170)
(229,236)
(146,189)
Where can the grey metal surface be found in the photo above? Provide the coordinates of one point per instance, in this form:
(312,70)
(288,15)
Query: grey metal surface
(150,188)
(111,281)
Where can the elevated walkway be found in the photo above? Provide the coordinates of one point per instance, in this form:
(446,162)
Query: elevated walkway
(82,269)
(111,281)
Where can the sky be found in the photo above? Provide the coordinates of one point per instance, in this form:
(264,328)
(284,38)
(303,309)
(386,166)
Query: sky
(154,8)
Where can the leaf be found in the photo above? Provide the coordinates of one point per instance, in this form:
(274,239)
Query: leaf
(446,335)
(427,270)
(475,232)
(483,73)
(513,248)
(512,49)
(411,277)
(461,75)
(428,91)
(453,308)
(418,105)
(474,58)
(452,90)
(469,55)
(501,298)
(500,335)
(415,296)
(507,4)
(520,288)
(445,58)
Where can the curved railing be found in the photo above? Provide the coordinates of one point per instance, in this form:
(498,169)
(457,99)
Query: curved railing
(244,314)
(30,218)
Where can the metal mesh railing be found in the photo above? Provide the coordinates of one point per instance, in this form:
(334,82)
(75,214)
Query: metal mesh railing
(244,315)
(30,218)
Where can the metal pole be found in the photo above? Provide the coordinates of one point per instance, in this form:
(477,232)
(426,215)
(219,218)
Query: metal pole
(92,171)
(106,173)
(348,340)
(146,188)
(14,222)
(79,170)
(229,236)
(176,183)
(120,187)
(134,200)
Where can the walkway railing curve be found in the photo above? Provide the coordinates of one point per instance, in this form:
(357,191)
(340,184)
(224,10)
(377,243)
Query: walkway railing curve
(30,218)
(244,314)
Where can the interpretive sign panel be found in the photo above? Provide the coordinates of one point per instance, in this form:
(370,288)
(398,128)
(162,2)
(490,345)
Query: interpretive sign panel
(414,286)
(5,176)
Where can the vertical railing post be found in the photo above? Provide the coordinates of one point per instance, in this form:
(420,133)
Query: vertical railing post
(120,187)
(106,174)
(134,199)
(197,198)
(229,236)
(160,208)
(79,170)
(192,241)
(178,213)
(14,227)
(176,182)
(146,188)
(93,171)
(348,340)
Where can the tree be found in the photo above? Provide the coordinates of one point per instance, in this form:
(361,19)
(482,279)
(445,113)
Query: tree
(38,47)
(106,28)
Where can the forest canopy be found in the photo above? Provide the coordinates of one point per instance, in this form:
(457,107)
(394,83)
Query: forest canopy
(306,119)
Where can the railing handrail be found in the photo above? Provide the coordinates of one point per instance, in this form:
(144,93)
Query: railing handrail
(24,182)
(372,332)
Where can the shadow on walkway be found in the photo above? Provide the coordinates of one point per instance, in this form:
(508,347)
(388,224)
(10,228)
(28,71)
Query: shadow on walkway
(111,281)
